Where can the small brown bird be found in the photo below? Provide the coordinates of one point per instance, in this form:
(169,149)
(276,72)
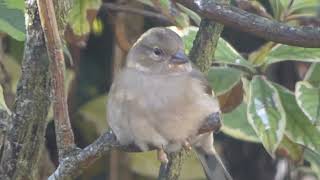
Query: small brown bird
(160,100)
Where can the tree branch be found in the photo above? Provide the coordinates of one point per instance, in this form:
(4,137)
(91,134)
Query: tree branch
(25,134)
(172,169)
(64,134)
(129,9)
(256,25)
(77,161)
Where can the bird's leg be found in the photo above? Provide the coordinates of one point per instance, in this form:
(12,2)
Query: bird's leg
(162,156)
(186,145)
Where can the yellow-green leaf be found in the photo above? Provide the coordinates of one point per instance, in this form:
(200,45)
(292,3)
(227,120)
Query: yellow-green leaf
(236,125)
(313,75)
(308,98)
(223,79)
(265,113)
(77,17)
(298,128)
(284,53)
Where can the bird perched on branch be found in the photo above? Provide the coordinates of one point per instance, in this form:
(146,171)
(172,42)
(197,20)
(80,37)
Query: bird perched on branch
(160,100)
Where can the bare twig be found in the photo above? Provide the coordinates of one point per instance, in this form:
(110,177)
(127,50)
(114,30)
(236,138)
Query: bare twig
(129,9)
(254,24)
(64,134)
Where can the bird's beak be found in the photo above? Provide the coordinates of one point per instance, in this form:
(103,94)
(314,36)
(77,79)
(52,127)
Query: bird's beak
(179,58)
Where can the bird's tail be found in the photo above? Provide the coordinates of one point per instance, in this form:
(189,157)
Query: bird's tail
(211,162)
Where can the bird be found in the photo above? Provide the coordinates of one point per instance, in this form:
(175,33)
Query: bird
(160,99)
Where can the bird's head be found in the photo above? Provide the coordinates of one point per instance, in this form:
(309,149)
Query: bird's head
(159,51)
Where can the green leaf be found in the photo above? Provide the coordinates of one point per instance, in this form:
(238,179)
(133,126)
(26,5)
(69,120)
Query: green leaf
(236,125)
(265,113)
(284,52)
(95,111)
(290,149)
(223,79)
(299,129)
(78,15)
(308,98)
(313,75)
(12,18)
(194,16)
(304,6)
(277,8)
(182,20)
(14,70)
(226,54)
(314,160)
(146,164)
(258,57)
(187,34)
(147,2)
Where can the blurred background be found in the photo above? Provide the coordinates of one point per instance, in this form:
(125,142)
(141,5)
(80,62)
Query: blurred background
(97,39)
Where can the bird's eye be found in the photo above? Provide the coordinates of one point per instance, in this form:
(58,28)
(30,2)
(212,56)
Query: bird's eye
(157,51)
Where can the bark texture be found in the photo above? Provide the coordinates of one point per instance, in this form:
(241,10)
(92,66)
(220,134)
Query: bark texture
(64,134)
(26,130)
(260,26)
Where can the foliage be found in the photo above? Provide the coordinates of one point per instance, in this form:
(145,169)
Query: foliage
(270,114)
(12,18)
(80,16)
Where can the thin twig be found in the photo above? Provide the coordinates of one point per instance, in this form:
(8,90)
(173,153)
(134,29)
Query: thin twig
(129,9)
(64,134)
(262,27)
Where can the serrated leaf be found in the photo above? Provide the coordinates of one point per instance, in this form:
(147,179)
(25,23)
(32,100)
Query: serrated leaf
(299,129)
(222,79)
(308,98)
(146,164)
(236,125)
(284,52)
(313,75)
(265,113)
(225,53)
(12,18)
(77,17)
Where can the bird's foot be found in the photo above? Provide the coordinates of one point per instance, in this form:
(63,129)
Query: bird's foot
(162,156)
